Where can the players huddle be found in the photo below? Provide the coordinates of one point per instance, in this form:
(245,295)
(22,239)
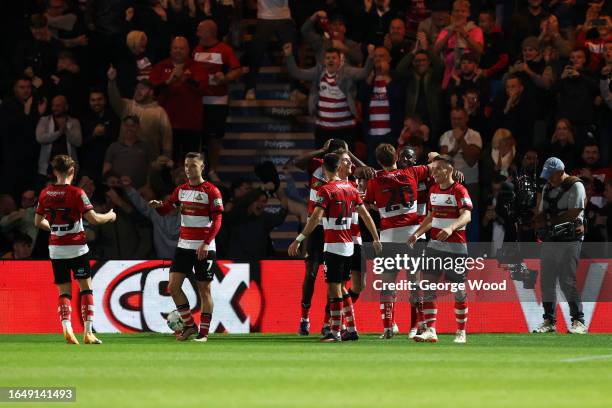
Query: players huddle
(336,204)
(411,200)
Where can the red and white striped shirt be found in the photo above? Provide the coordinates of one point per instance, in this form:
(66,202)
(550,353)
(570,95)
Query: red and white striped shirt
(380,114)
(201,208)
(395,195)
(218,58)
(334,112)
(63,206)
(445,205)
(317,179)
(339,199)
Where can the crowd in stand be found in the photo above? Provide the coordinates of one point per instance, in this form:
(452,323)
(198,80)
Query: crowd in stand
(127,87)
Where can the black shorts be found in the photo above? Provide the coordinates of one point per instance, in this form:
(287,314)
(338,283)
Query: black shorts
(79,267)
(337,267)
(314,246)
(356,259)
(186,261)
(213,119)
(437,270)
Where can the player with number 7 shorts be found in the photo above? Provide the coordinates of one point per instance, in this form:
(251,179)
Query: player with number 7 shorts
(201,211)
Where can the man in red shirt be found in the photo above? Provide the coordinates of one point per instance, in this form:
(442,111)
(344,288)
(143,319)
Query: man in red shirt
(180,84)
(61,207)
(450,209)
(336,201)
(201,212)
(223,68)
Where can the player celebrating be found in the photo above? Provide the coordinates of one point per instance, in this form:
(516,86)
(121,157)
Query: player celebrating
(449,212)
(60,208)
(336,200)
(394,192)
(312,162)
(201,212)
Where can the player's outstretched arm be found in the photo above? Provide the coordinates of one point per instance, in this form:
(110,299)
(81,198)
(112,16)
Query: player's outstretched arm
(98,219)
(369,223)
(41,222)
(313,221)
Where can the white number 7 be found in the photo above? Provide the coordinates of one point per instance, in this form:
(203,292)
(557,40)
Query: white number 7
(210,263)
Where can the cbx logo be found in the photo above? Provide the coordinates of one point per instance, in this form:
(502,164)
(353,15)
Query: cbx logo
(132,296)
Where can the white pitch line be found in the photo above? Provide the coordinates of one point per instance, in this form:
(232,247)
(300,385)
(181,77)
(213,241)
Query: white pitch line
(587,358)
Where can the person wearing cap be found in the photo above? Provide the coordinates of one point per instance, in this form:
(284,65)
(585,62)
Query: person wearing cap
(155,126)
(322,33)
(563,201)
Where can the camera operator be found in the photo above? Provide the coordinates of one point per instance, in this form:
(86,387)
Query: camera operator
(560,219)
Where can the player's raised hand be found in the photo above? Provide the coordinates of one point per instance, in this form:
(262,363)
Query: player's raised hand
(202,251)
(111,215)
(111,74)
(294,248)
(377,247)
(155,203)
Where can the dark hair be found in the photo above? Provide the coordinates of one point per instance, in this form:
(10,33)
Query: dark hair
(239,182)
(489,12)
(331,162)
(590,144)
(332,49)
(97,89)
(62,163)
(385,154)
(38,21)
(446,159)
(336,144)
(514,76)
(195,155)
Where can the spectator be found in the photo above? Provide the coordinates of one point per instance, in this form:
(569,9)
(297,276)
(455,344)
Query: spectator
(249,225)
(514,110)
(57,134)
(471,102)
(550,35)
(273,18)
(577,93)
(413,129)
(499,158)
(321,34)
(378,15)
(153,17)
(431,27)
(526,23)
(494,60)
(396,41)
(332,84)
(68,80)
(595,227)
(19,116)
(590,168)
(155,126)
(100,128)
(22,248)
(65,25)
(224,68)
(459,38)
(594,34)
(36,57)
(607,211)
(423,73)
(20,220)
(563,145)
(382,100)
(180,83)
(463,145)
(165,229)
(135,64)
(129,156)
(467,77)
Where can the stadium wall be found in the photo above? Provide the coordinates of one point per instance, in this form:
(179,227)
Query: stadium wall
(131,296)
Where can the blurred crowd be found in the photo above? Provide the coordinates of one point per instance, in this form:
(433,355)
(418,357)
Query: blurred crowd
(127,87)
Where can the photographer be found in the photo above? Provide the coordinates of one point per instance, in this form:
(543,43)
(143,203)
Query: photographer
(560,219)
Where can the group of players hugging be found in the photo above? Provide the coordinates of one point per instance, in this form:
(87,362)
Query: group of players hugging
(412,200)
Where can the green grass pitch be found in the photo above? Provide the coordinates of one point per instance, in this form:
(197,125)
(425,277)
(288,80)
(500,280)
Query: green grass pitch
(153,370)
